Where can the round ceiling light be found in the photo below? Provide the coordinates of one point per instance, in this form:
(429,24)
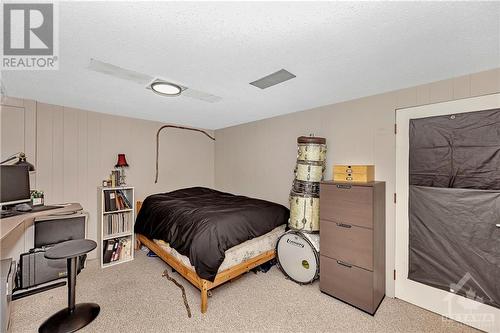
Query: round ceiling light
(166,88)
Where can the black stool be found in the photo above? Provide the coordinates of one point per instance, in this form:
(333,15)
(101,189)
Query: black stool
(74,316)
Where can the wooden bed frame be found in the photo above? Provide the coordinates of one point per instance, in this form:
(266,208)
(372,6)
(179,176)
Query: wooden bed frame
(203,285)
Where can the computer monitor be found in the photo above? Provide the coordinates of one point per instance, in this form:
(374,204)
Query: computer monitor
(15,184)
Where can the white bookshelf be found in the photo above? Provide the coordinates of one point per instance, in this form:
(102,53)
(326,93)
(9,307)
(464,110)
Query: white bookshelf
(116,224)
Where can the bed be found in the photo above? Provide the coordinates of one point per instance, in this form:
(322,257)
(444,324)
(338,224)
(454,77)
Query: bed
(207,236)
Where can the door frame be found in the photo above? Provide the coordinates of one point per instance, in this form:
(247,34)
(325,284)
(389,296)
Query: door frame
(448,305)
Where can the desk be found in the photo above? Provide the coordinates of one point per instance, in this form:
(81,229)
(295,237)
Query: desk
(10,223)
(17,232)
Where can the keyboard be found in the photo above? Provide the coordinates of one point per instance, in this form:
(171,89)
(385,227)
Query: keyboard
(14,212)
(42,208)
(10,213)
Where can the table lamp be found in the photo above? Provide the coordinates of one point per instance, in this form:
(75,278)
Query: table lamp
(122,164)
(21,161)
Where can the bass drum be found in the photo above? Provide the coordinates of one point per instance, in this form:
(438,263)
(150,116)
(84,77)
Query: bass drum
(304,212)
(298,256)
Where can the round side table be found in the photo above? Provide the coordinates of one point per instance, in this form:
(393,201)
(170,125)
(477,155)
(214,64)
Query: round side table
(75,316)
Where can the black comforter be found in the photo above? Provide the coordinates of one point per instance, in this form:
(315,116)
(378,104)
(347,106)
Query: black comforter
(202,223)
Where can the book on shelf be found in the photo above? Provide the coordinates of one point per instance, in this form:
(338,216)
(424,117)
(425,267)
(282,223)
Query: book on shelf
(106,202)
(117,223)
(116,249)
(118,202)
(108,247)
(125,199)
(115,200)
(115,178)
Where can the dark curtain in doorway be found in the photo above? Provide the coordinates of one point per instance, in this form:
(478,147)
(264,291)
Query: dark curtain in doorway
(454,204)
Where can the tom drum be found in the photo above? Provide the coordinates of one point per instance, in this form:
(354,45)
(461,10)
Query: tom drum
(309,171)
(311,152)
(304,212)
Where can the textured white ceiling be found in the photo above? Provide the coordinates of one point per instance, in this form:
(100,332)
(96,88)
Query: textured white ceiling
(338,50)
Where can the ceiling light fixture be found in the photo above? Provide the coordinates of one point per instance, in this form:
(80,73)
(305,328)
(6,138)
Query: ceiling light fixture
(164,88)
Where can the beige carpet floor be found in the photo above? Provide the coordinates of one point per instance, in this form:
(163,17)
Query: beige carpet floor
(134,297)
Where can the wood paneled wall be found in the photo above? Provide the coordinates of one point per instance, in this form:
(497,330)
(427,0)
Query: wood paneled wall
(257,159)
(74,150)
(17,124)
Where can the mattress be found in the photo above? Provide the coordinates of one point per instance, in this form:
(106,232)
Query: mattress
(237,254)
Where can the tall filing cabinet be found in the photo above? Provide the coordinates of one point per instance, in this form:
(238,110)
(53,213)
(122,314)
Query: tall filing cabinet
(352,238)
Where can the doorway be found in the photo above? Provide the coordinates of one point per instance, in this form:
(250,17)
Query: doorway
(447,237)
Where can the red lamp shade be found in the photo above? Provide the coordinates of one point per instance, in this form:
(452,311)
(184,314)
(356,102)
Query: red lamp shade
(122,161)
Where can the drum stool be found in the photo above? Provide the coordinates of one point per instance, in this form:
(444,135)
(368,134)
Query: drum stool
(73,317)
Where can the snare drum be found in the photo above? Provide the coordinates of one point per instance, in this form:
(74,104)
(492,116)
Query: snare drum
(305,187)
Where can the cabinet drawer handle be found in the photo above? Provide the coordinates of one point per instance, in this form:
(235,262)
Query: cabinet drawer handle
(498,225)
(343,225)
(344,186)
(344,264)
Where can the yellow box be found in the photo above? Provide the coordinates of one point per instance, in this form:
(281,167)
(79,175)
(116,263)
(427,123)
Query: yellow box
(354,173)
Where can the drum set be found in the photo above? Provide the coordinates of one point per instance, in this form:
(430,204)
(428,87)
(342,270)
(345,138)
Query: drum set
(297,251)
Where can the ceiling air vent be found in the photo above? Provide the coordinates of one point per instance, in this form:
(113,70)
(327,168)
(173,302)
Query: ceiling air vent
(273,79)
